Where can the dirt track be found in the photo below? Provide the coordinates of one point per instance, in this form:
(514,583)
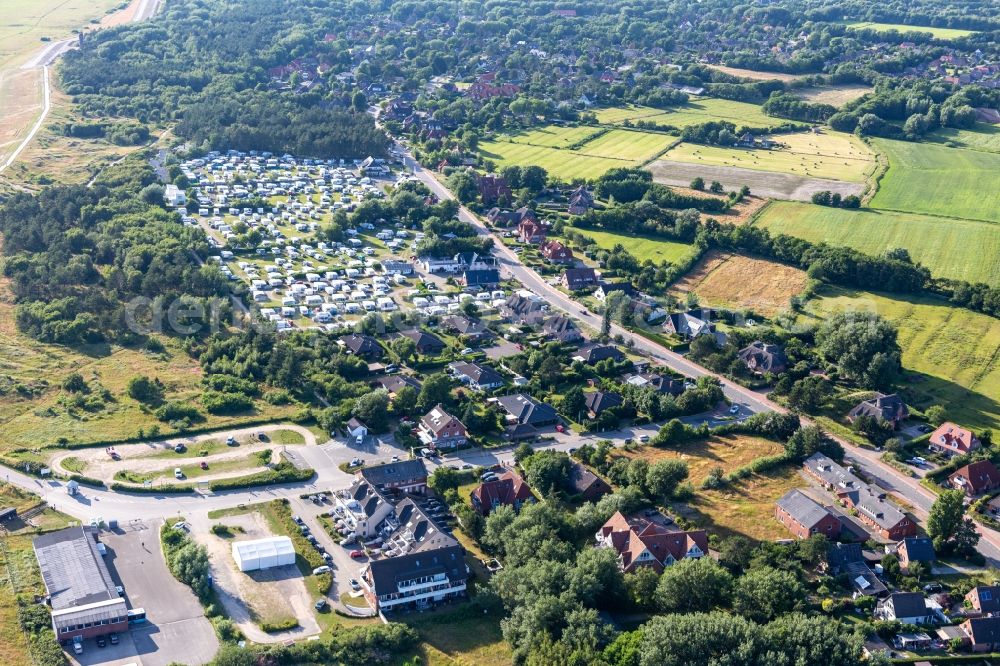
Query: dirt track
(762,183)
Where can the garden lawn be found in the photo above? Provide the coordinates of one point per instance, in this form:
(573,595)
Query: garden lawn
(950,354)
(831,155)
(642,247)
(941,244)
(937,180)
(939,33)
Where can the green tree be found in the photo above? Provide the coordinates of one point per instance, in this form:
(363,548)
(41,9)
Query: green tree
(947,525)
(373,409)
(664,476)
(435,389)
(936,414)
(404,348)
(763,594)
(548,471)
(694,585)
(574,403)
(404,401)
(863,346)
(463,184)
(145,390)
(698,639)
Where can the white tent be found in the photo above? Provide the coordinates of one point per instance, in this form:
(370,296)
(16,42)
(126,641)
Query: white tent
(263,553)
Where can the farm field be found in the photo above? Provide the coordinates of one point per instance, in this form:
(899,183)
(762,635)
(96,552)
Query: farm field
(24,23)
(932,241)
(932,179)
(940,33)
(833,95)
(830,155)
(642,247)
(698,110)
(761,183)
(549,148)
(745,508)
(743,283)
(950,354)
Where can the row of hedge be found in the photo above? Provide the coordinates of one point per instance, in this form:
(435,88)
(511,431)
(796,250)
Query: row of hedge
(283,514)
(35,621)
(283,472)
(169,489)
(86,480)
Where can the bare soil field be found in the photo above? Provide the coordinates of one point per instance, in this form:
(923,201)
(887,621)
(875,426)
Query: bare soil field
(761,183)
(754,74)
(735,281)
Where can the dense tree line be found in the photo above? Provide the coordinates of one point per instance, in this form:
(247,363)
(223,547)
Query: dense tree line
(77,256)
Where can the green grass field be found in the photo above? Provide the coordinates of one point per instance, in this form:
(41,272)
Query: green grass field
(950,353)
(933,241)
(982,136)
(642,247)
(549,148)
(940,33)
(831,155)
(933,179)
(23,23)
(698,110)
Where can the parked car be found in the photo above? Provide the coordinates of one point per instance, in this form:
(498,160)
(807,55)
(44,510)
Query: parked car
(735,409)
(320,604)
(179,448)
(355,585)
(204,465)
(230,441)
(102,642)
(394,459)
(178,474)
(297,519)
(321,570)
(356,554)
(77,645)
(113,638)
(644,438)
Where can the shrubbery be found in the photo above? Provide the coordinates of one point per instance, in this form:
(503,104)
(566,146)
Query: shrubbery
(284,472)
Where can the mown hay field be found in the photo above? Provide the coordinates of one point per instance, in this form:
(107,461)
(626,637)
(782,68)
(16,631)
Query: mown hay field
(698,110)
(940,33)
(643,247)
(743,283)
(828,155)
(941,244)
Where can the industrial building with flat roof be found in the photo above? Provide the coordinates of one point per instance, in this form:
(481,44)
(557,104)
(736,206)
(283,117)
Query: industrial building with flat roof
(80,589)
(263,553)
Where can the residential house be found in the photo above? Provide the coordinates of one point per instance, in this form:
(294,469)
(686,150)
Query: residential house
(524,409)
(556,252)
(494,189)
(586,485)
(951,439)
(524,308)
(829,474)
(420,564)
(575,279)
(407,476)
(879,513)
(599,402)
(976,478)
(688,325)
(363,507)
(562,329)
(394,383)
(890,408)
(606,288)
(915,549)
(658,383)
(474,375)
(467,327)
(440,430)
(505,218)
(848,559)
(595,352)
(906,608)
(394,267)
(531,231)
(364,346)
(763,358)
(508,490)
(804,517)
(984,599)
(982,633)
(580,201)
(488,277)
(374,167)
(640,542)
(356,428)
(427,343)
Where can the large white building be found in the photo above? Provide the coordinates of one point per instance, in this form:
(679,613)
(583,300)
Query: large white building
(263,553)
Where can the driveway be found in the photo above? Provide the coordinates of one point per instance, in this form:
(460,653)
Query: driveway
(176,629)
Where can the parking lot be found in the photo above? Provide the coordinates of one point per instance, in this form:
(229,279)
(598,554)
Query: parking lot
(176,629)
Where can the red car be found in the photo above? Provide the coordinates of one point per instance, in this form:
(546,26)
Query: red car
(560,428)
(356,554)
